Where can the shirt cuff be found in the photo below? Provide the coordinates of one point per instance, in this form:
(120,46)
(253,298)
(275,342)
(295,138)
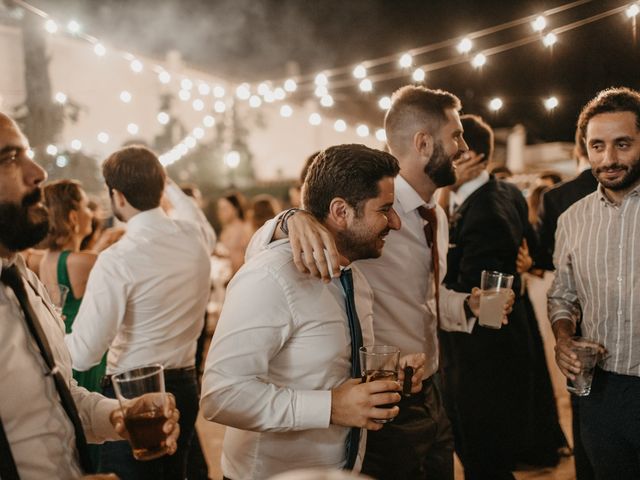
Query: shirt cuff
(100,420)
(313,409)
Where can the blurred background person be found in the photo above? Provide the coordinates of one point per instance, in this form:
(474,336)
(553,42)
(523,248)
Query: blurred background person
(63,263)
(263,207)
(235,234)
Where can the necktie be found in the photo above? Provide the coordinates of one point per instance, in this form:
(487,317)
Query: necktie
(431,234)
(346,279)
(11,278)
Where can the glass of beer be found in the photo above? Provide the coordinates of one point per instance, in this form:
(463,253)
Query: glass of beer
(587,353)
(144,420)
(380,362)
(495,294)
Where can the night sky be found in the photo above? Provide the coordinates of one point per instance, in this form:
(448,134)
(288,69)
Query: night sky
(252,40)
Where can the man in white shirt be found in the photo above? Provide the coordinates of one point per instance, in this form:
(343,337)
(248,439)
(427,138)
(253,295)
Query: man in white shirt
(41,436)
(425,135)
(280,361)
(145,300)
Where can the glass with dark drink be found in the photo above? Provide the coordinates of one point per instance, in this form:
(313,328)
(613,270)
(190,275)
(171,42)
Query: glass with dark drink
(380,362)
(144,420)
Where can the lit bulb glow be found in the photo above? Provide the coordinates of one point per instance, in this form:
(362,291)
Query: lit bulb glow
(321,80)
(539,24)
(465,45)
(551,103)
(51,26)
(164,77)
(418,75)
(243,92)
(321,91)
(406,60)
(362,131)
(198,105)
(209,121)
(99,50)
(632,11)
(62,161)
(326,101)
(279,93)
(549,39)
(76,145)
(286,111)
(360,71)
(340,125)
(186,84)
(232,159)
(198,133)
(479,60)
(204,89)
(184,95)
(61,98)
(163,118)
(290,85)
(263,88)
(381,135)
(366,85)
(219,106)
(103,137)
(218,91)
(136,65)
(495,104)
(255,101)
(190,142)
(125,96)
(73,27)
(384,103)
(133,129)
(52,150)
(315,119)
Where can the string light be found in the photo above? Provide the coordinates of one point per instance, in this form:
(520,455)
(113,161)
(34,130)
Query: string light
(495,104)
(539,24)
(186,84)
(340,125)
(125,96)
(418,75)
(190,142)
(465,45)
(52,150)
(326,101)
(163,118)
(198,133)
(286,111)
(219,106)
(164,77)
(133,129)
(321,80)
(184,95)
(269,97)
(479,60)
(263,88)
(198,105)
(279,94)
(255,101)
(551,103)
(632,11)
(31,154)
(99,50)
(362,130)
(209,121)
(549,39)
(73,27)
(103,137)
(51,26)
(384,103)
(321,91)
(381,135)
(218,91)
(61,98)
(232,159)
(290,85)
(76,145)
(136,65)
(204,89)
(315,119)
(406,60)
(62,161)
(360,71)
(243,92)
(366,85)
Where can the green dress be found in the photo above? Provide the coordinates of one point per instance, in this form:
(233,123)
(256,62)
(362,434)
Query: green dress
(92,377)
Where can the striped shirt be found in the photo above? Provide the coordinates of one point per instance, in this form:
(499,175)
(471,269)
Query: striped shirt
(596,257)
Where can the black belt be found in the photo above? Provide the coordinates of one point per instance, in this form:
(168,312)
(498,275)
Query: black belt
(169,374)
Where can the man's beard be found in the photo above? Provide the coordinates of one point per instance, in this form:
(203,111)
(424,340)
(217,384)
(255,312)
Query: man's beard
(23,225)
(355,244)
(631,176)
(440,167)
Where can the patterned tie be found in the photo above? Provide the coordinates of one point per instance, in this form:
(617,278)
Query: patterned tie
(346,279)
(431,234)
(11,278)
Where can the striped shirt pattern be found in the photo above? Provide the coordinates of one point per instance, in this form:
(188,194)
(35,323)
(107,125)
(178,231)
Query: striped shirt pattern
(596,257)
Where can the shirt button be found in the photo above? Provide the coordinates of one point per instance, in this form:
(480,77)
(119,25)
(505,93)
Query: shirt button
(619,313)
(620,247)
(619,279)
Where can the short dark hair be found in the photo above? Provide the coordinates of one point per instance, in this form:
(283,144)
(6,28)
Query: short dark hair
(611,100)
(307,164)
(552,175)
(411,108)
(478,135)
(351,172)
(136,172)
(579,147)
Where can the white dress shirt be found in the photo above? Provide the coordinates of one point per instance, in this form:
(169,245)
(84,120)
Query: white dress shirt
(457,198)
(145,298)
(281,344)
(40,433)
(402,281)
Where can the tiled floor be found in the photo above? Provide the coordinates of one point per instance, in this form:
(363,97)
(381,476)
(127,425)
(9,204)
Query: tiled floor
(211,434)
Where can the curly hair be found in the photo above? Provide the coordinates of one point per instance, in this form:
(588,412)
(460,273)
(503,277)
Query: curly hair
(61,198)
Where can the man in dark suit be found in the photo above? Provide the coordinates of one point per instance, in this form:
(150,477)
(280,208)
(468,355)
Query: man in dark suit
(554,202)
(497,388)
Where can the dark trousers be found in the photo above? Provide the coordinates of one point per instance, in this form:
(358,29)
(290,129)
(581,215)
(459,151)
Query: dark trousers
(117,457)
(584,470)
(417,445)
(610,426)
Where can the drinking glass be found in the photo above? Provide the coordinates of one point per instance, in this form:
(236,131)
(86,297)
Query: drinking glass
(380,362)
(495,294)
(144,420)
(587,352)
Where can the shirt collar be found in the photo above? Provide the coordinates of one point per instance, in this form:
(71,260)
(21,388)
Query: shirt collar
(408,198)
(145,219)
(603,196)
(17,260)
(469,187)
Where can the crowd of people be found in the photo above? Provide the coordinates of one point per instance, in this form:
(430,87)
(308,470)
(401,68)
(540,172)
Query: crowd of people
(385,248)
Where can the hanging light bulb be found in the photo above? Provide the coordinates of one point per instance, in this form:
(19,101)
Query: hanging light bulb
(133,129)
(99,50)
(326,101)
(539,24)
(551,103)
(51,26)
(340,125)
(290,85)
(362,130)
(321,80)
(286,111)
(360,71)
(465,45)
(381,135)
(549,39)
(384,103)
(366,85)
(418,75)
(479,60)
(406,60)
(495,104)
(315,119)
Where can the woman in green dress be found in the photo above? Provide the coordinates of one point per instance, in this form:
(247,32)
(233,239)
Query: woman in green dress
(64,264)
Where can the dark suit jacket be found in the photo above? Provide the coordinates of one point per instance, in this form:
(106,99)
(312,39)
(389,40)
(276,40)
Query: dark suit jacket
(554,202)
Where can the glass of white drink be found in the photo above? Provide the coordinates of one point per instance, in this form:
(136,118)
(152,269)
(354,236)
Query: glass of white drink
(495,287)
